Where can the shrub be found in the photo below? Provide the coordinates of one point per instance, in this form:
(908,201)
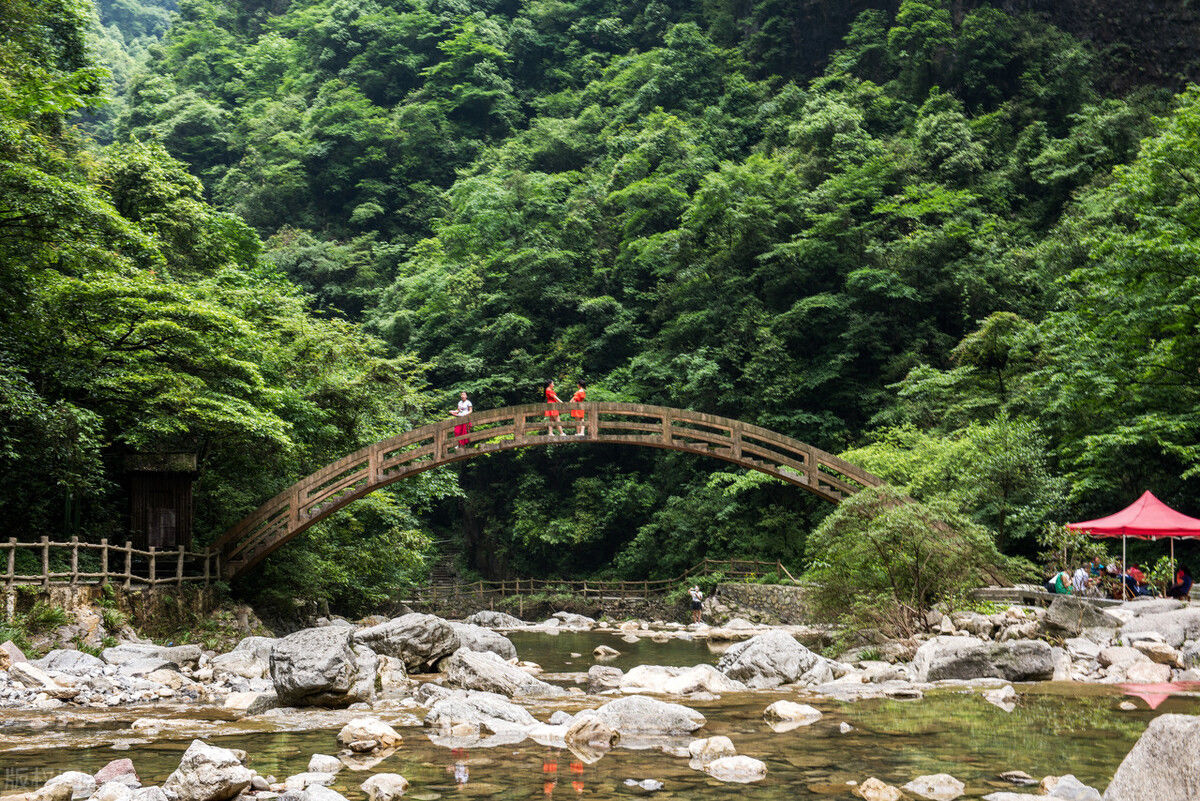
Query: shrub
(883,560)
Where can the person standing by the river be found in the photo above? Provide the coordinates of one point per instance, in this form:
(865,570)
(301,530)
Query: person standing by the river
(579,397)
(551,414)
(697,602)
(463,427)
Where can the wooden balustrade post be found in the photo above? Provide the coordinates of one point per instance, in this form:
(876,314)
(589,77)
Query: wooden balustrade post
(12,562)
(46,561)
(593,423)
(207,559)
(666,428)
(179,569)
(128,563)
(74,560)
(153,567)
(519,427)
(103,560)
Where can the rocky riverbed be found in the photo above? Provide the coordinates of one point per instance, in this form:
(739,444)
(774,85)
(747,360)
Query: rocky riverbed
(455,686)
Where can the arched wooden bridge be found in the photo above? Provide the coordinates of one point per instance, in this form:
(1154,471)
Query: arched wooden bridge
(319,495)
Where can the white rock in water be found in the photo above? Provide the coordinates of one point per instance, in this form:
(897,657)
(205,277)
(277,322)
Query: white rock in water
(936,787)
(385,787)
(649,785)
(113,791)
(845,728)
(323,763)
(1004,698)
(367,729)
(302,781)
(704,751)
(791,712)
(737,769)
(208,773)
(875,790)
(639,715)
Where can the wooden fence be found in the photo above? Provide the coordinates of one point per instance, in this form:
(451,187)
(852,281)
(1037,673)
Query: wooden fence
(59,563)
(602,589)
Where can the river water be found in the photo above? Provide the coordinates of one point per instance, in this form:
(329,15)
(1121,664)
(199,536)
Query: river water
(1054,729)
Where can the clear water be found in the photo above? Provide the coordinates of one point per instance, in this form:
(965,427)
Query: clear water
(1055,729)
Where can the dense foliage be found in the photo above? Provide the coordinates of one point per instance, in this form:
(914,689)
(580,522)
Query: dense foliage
(135,317)
(942,247)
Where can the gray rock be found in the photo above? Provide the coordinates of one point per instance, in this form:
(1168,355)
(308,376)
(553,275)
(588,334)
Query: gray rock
(1151,606)
(649,785)
(603,677)
(570,620)
(251,702)
(82,784)
(245,664)
(144,666)
(480,710)
(495,620)
(322,667)
(969,658)
(737,769)
(487,672)
(1069,616)
(75,663)
(150,794)
(207,773)
(1164,764)
(420,641)
(773,658)
(385,787)
(637,715)
(323,763)
(936,787)
(477,638)
(1176,626)
(1069,788)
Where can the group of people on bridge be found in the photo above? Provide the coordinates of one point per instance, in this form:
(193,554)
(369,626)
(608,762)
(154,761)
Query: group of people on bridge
(462,429)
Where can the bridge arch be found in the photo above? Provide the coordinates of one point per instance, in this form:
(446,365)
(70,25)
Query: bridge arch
(315,497)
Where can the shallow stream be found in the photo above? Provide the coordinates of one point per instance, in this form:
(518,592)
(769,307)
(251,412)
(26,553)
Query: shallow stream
(1054,729)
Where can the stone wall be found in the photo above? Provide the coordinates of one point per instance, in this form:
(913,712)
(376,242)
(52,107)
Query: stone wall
(759,603)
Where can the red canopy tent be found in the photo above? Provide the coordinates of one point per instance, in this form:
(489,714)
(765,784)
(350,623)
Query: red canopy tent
(1147,518)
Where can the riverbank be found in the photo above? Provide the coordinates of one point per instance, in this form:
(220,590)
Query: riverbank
(463,685)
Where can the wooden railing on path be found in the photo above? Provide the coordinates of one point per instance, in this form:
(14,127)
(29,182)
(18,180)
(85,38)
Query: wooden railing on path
(602,589)
(59,563)
(319,495)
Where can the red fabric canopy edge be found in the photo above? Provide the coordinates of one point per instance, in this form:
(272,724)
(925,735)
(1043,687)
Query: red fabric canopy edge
(1147,518)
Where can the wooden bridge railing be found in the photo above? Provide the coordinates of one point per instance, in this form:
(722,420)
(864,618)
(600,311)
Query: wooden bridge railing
(602,588)
(60,563)
(317,496)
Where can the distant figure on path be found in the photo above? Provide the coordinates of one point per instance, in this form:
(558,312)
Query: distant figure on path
(697,601)
(579,397)
(551,397)
(463,427)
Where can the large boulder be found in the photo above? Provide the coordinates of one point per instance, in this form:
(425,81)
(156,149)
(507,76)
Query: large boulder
(245,664)
(76,663)
(322,667)
(1176,626)
(570,620)
(1164,764)
(368,730)
(207,773)
(177,655)
(420,641)
(664,680)
(478,711)
(385,787)
(1070,616)
(637,715)
(487,672)
(79,785)
(969,658)
(495,620)
(771,659)
(477,638)
(604,677)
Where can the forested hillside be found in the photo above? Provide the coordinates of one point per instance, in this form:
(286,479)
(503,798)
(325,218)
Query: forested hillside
(959,244)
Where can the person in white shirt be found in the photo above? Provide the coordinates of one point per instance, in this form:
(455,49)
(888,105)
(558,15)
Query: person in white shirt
(1079,581)
(697,599)
(462,427)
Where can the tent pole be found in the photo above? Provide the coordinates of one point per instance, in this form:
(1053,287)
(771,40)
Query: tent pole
(1171,580)
(1124,571)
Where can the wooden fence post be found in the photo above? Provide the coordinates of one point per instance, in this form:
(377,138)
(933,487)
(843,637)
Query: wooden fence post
(46,561)
(207,557)
(128,563)
(103,560)
(179,569)
(12,561)
(152,565)
(74,561)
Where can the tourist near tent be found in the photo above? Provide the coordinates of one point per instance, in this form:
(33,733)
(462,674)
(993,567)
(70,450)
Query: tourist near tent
(1147,518)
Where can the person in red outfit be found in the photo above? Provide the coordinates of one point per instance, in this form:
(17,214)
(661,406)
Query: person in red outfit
(579,397)
(551,397)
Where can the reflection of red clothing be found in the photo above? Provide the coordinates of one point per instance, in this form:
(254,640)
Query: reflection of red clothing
(551,398)
(579,397)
